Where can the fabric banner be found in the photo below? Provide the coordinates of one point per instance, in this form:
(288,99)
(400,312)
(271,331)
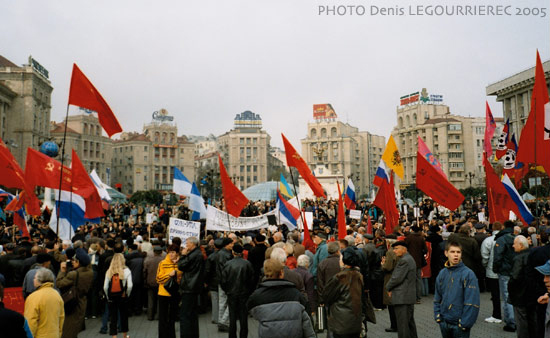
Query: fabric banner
(183,229)
(216,220)
(13,299)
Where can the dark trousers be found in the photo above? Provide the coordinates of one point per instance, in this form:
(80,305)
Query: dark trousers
(238,311)
(541,317)
(168,314)
(189,326)
(526,321)
(453,331)
(492,285)
(118,306)
(406,327)
(393,320)
(349,335)
(136,299)
(152,300)
(376,293)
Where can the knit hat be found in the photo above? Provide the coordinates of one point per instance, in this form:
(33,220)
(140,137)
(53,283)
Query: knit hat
(349,257)
(82,257)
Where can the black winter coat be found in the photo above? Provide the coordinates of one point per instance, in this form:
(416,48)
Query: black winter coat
(192,266)
(518,293)
(237,278)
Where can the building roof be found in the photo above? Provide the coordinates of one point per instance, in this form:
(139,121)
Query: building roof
(59,128)
(522,79)
(183,140)
(266,191)
(133,136)
(6,63)
(439,120)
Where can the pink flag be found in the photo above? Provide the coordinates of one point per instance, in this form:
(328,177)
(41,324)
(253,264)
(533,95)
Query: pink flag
(490,127)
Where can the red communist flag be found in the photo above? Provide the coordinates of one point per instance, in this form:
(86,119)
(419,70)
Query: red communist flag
(385,200)
(534,144)
(293,159)
(83,186)
(12,176)
(83,94)
(490,126)
(433,184)
(44,171)
(341,215)
(235,200)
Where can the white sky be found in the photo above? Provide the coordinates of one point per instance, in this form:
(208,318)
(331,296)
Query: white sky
(205,61)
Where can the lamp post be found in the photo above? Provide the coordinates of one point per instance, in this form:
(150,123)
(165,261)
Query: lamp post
(415,190)
(470,176)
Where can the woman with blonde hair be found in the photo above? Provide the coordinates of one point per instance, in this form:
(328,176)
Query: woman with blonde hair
(117,287)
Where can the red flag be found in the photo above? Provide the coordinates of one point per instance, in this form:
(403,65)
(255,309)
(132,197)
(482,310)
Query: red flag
(293,159)
(83,186)
(19,220)
(307,236)
(369,225)
(16,203)
(435,185)
(490,126)
(12,176)
(539,117)
(85,95)
(499,200)
(385,200)
(235,200)
(341,215)
(44,171)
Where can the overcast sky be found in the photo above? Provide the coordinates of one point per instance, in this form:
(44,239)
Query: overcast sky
(205,61)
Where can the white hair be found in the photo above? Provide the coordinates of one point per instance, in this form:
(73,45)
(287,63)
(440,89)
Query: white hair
(303,261)
(523,241)
(279,254)
(44,275)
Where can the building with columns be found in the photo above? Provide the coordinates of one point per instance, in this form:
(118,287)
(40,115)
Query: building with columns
(456,141)
(245,150)
(25,106)
(515,94)
(342,150)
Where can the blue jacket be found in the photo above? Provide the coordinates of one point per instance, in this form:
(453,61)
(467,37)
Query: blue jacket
(320,254)
(456,299)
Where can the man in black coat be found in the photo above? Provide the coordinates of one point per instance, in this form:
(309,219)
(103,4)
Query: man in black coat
(256,256)
(222,257)
(238,283)
(192,265)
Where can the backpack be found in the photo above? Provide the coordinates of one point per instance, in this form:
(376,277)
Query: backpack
(116,288)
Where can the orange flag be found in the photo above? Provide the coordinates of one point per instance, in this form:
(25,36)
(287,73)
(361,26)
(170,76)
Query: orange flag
(293,159)
(83,94)
(341,215)
(235,200)
(539,117)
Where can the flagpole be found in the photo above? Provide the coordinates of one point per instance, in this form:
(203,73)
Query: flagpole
(297,198)
(61,169)
(535,143)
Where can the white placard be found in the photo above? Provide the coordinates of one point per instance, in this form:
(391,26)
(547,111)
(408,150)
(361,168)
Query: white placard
(149,218)
(355,214)
(481,217)
(183,229)
(405,209)
(513,216)
(216,220)
(416,212)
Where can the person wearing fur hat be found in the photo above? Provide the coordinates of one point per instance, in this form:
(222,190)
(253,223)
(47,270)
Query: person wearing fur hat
(82,276)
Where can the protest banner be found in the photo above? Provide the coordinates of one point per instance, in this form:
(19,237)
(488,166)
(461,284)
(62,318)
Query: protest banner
(355,214)
(183,229)
(216,220)
(13,299)
(149,218)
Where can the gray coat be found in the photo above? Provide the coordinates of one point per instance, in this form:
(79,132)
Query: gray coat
(402,283)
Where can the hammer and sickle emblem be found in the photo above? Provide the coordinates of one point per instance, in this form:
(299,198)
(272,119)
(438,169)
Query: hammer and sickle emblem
(49,166)
(296,156)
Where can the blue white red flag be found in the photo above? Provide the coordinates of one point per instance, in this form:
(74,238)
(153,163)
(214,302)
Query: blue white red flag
(349,199)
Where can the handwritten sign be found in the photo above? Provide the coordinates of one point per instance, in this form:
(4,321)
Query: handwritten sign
(355,214)
(217,220)
(183,229)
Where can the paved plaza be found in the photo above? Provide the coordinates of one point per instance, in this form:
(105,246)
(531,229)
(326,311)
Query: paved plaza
(140,327)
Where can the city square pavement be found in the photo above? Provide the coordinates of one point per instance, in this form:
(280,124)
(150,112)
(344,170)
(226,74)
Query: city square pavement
(140,327)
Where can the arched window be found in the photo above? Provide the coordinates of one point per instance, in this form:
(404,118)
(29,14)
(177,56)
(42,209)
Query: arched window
(333,132)
(157,134)
(313,132)
(407,121)
(171,137)
(85,128)
(164,138)
(323,132)
(414,118)
(400,122)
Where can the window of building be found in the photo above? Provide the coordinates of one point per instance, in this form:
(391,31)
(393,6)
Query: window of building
(247,168)
(248,140)
(454,127)
(323,132)
(241,140)
(255,179)
(255,168)
(255,151)
(254,141)
(313,132)
(145,148)
(333,132)
(241,169)
(157,134)
(164,153)
(157,152)
(173,152)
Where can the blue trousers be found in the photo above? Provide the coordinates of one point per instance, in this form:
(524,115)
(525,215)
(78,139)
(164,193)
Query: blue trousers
(453,331)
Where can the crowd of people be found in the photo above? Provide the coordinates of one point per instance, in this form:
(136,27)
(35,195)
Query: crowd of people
(293,285)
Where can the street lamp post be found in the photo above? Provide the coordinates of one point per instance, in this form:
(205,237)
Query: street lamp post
(470,176)
(415,190)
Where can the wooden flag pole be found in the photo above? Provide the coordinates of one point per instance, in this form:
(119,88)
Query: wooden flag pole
(58,203)
(298,199)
